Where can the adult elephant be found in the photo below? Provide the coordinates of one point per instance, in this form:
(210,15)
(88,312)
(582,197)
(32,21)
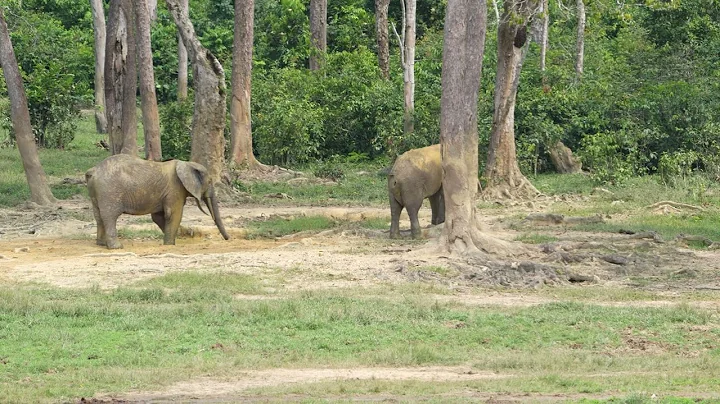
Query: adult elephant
(126,184)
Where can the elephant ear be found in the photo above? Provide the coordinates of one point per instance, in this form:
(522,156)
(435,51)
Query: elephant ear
(193,177)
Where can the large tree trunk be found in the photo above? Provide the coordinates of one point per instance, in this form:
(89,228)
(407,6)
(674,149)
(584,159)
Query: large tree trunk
(241,128)
(208,143)
(121,78)
(182,85)
(318,33)
(464,39)
(409,66)
(502,171)
(150,115)
(98,13)
(20,116)
(580,43)
(383,40)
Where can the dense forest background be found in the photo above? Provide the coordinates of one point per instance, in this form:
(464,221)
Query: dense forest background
(647,102)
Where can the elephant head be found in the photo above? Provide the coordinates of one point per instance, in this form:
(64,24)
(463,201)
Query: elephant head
(196,181)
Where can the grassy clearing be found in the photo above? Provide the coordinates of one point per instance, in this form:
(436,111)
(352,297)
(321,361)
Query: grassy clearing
(184,325)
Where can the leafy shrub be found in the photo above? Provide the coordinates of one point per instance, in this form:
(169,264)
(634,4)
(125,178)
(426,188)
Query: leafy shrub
(176,134)
(678,164)
(611,157)
(329,171)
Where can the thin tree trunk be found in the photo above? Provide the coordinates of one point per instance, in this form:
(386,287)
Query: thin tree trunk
(98,13)
(318,33)
(502,171)
(182,86)
(20,115)
(544,39)
(208,142)
(241,128)
(152,9)
(121,79)
(383,40)
(409,68)
(580,44)
(497,12)
(150,115)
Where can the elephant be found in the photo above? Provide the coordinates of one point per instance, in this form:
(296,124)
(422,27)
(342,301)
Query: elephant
(417,174)
(127,184)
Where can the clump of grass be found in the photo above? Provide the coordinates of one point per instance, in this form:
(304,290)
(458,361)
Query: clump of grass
(145,234)
(535,238)
(278,226)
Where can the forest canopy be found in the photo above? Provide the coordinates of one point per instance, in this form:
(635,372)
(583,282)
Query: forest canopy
(648,100)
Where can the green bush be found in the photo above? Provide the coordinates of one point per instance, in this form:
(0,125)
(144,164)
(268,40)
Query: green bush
(176,134)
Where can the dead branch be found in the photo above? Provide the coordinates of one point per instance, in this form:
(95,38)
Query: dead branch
(676,205)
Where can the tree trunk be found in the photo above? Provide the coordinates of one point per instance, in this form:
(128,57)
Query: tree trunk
(563,159)
(502,171)
(152,9)
(98,13)
(383,40)
(20,115)
(409,67)
(150,115)
(241,128)
(464,39)
(121,79)
(208,143)
(544,40)
(318,33)
(580,44)
(182,86)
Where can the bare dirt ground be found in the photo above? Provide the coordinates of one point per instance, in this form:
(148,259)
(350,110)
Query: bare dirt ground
(57,247)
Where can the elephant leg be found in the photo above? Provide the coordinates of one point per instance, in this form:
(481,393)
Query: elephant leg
(100,239)
(173,217)
(159,219)
(437,204)
(110,224)
(412,211)
(395,210)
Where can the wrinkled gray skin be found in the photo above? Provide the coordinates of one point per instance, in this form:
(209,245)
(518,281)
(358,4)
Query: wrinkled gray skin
(126,184)
(416,175)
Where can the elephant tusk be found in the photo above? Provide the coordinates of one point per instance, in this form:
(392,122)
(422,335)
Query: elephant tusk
(200,206)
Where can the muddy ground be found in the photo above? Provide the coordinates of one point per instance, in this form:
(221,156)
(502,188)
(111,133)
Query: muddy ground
(57,247)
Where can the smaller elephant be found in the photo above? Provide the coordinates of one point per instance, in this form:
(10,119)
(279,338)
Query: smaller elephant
(417,174)
(127,184)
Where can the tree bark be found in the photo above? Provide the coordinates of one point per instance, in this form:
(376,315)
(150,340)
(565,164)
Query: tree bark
(98,14)
(121,78)
(182,86)
(563,159)
(208,143)
(241,127)
(318,33)
(464,39)
(150,115)
(580,43)
(544,40)
(502,171)
(383,40)
(20,115)
(409,66)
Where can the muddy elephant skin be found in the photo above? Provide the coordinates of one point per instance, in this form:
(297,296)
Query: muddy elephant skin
(416,175)
(126,184)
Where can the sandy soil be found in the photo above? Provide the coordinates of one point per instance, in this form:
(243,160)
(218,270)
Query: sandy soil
(57,247)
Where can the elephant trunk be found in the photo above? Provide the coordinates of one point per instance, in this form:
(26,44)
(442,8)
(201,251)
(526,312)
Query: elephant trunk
(212,205)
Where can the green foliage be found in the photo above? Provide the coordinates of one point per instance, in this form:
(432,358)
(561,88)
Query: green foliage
(329,171)
(176,134)
(613,157)
(55,73)
(278,227)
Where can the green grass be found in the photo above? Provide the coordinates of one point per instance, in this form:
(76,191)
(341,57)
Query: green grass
(668,226)
(63,344)
(535,238)
(278,227)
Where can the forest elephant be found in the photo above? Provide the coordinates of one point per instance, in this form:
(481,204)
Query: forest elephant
(417,174)
(126,184)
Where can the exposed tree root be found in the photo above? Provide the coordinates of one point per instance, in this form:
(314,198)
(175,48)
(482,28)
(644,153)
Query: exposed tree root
(676,205)
(520,188)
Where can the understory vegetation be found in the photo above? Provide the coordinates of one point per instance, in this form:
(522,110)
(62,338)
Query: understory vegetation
(647,102)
